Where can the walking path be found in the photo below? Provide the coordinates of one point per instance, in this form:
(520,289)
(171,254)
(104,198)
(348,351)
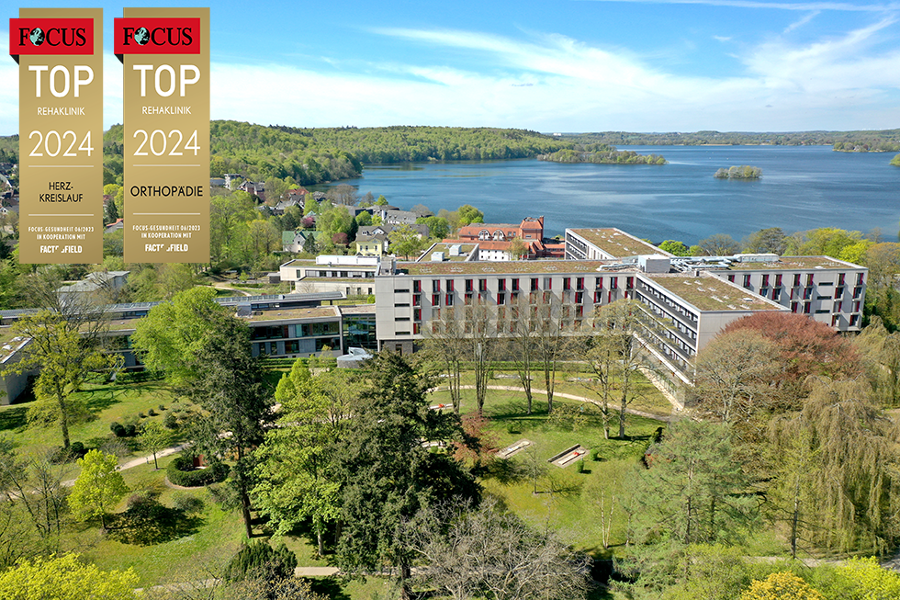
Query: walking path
(510,388)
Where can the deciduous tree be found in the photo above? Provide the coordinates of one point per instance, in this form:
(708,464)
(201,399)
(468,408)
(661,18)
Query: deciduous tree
(65,578)
(99,486)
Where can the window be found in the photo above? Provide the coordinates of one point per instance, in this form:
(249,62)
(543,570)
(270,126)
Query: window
(629,283)
(807,307)
(834,320)
(579,297)
(859,279)
(469,286)
(417,299)
(856,306)
(765,280)
(746,281)
(764,292)
(796,279)
(838,292)
(482,285)
(807,293)
(436,286)
(838,306)
(567,283)
(546,297)
(501,298)
(613,283)
(501,285)
(417,287)
(435,299)
(842,279)
(534,284)
(794,306)
(731,278)
(450,285)
(515,284)
(857,292)
(598,284)
(579,311)
(810,279)
(548,283)
(776,294)
(598,297)
(854,320)
(448,300)
(778,280)
(579,283)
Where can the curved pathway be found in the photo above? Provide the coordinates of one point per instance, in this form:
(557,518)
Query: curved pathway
(510,388)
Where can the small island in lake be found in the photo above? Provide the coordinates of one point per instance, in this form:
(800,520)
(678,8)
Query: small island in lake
(741,172)
(896,161)
(601,154)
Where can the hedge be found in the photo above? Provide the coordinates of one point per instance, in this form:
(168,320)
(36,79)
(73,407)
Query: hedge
(181,472)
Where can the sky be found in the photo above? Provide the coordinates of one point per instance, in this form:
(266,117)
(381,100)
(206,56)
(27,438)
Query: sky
(549,66)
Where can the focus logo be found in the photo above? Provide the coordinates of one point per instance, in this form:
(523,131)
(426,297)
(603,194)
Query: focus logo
(51,36)
(157,36)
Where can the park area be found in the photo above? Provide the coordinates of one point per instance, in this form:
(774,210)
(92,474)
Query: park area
(170,534)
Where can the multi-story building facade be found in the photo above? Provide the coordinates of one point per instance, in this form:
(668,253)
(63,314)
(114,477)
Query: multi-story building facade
(689,301)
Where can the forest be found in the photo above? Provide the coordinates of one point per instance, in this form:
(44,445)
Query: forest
(887,140)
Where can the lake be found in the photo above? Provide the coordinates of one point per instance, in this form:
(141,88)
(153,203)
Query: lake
(802,187)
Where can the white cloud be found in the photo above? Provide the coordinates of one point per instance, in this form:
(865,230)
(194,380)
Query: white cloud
(553,82)
(802,22)
(799,6)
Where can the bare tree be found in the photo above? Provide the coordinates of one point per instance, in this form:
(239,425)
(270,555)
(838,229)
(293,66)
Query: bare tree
(523,327)
(480,328)
(624,328)
(446,346)
(487,552)
(734,372)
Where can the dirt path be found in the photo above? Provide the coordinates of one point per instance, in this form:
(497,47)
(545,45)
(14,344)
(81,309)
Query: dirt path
(223,285)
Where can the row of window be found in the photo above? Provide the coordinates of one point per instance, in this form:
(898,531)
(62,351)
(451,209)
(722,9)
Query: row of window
(299,330)
(535,284)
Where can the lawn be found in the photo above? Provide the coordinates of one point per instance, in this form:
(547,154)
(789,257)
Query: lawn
(566,501)
(183,547)
(107,403)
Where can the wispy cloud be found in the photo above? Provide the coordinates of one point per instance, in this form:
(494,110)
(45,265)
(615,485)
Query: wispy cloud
(802,22)
(800,6)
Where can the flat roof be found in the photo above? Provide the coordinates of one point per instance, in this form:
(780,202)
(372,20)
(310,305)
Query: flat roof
(284,314)
(521,268)
(617,243)
(709,293)
(357,309)
(788,263)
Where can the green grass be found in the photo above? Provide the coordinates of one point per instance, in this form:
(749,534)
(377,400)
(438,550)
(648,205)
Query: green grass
(106,403)
(567,501)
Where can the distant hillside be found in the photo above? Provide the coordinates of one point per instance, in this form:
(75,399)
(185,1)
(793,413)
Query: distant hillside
(377,145)
(887,140)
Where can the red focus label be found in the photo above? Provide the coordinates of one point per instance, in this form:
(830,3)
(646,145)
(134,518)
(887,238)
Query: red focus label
(51,36)
(138,35)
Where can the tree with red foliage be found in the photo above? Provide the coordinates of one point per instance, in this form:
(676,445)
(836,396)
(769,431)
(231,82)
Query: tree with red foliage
(479,444)
(805,347)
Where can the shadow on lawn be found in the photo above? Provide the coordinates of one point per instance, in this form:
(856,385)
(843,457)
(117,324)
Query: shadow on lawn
(148,522)
(328,587)
(13,418)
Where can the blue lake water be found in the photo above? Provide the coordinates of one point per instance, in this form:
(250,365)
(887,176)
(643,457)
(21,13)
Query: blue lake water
(801,188)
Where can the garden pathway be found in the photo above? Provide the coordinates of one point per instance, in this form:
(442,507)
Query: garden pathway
(510,388)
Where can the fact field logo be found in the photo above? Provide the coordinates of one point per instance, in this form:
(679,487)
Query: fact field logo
(157,36)
(51,36)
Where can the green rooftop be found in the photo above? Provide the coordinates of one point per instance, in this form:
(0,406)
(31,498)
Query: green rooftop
(712,294)
(617,243)
(790,263)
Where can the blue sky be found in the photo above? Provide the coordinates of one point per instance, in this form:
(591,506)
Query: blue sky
(556,65)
